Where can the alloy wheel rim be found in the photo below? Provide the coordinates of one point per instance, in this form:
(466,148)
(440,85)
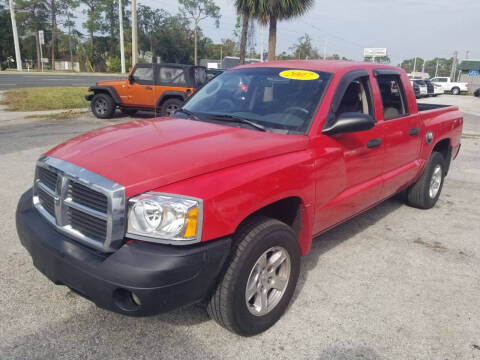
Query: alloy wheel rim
(171,109)
(268,281)
(435,181)
(101,106)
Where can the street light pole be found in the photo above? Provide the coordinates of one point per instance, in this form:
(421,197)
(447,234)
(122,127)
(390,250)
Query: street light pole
(122,47)
(18,58)
(134,33)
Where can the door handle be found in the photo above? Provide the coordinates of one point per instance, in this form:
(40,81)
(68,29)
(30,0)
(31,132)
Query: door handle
(413,131)
(373,143)
(148,88)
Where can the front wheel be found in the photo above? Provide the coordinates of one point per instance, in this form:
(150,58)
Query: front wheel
(103,106)
(258,284)
(455,91)
(170,106)
(425,192)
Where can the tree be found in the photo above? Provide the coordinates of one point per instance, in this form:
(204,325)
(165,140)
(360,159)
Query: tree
(304,48)
(271,11)
(59,9)
(151,23)
(6,37)
(32,17)
(198,10)
(246,9)
(409,64)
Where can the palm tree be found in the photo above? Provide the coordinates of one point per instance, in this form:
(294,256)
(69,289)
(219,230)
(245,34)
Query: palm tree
(246,9)
(271,11)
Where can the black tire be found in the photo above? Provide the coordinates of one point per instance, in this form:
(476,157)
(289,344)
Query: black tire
(128,111)
(455,91)
(170,106)
(418,195)
(228,305)
(103,106)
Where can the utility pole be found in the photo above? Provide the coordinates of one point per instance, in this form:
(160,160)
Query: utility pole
(122,47)
(454,66)
(18,58)
(414,67)
(134,33)
(262,35)
(436,69)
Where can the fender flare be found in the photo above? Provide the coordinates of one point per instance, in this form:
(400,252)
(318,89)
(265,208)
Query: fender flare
(108,89)
(178,94)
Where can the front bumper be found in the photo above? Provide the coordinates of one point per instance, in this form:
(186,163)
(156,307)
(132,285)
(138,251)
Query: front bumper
(163,277)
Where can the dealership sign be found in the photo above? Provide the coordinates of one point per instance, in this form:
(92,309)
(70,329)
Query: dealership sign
(374,52)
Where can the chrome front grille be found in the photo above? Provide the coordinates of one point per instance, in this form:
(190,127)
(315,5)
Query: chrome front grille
(83,205)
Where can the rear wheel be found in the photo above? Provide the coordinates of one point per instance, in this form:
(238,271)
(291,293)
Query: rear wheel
(425,192)
(103,106)
(170,106)
(455,91)
(258,284)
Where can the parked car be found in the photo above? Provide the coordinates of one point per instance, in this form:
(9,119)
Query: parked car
(430,88)
(438,89)
(422,86)
(416,90)
(219,204)
(456,88)
(148,87)
(477,92)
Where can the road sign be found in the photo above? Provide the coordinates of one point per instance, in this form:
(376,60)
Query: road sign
(374,52)
(41,37)
(473,73)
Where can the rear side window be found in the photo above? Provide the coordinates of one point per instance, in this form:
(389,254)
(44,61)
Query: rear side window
(171,75)
(143,75)
(393,96)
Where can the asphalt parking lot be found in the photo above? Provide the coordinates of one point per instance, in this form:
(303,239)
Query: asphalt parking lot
(393,283)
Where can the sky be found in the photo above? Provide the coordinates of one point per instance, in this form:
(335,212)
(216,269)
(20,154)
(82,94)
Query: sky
(407,28)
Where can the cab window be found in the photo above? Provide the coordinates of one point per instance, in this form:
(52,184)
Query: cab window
(393,96)
(143,75)
(357,98)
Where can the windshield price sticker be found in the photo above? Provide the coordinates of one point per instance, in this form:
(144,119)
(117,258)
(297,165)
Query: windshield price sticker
(299,75)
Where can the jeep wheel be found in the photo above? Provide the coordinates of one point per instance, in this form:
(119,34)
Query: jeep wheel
(426,191)
(170,106)
(102,106)
(455,91)
(260,280)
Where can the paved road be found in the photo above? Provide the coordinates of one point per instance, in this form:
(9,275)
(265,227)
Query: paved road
(13,81)
(393,283)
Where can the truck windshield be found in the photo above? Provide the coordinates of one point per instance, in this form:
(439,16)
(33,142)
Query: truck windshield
(277,99)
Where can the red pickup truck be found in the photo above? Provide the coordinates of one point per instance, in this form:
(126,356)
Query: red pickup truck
(218,204)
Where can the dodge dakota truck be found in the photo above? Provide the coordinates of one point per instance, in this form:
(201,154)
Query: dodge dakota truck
(218,204)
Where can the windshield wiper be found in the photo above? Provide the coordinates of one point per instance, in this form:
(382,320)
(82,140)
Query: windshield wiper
(189,113)
(237,119)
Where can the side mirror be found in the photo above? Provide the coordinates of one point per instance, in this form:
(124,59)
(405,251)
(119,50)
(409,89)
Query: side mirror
(130,78)
(350,122)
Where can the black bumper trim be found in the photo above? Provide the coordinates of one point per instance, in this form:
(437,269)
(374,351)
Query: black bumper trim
(163,277)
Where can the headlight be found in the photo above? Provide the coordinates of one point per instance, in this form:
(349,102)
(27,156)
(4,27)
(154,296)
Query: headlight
(163,218)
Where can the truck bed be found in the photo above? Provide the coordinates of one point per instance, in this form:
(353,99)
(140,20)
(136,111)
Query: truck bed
(427,107)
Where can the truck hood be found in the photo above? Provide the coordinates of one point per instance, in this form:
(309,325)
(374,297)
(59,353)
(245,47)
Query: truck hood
(147,154)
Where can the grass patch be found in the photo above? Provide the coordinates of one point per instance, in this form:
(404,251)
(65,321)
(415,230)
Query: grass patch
(45,98)
(64,115)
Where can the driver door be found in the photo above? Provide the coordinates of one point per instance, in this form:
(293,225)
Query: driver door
(140,90)
(350,165)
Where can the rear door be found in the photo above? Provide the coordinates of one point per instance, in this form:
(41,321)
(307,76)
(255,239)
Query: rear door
(402,131)
(357,179)
(140,89)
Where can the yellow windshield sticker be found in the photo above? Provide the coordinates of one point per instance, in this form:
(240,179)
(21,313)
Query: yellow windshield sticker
(299,75)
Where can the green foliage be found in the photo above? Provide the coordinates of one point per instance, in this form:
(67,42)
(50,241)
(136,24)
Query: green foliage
(6,38)
(444,66)
(304,48)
